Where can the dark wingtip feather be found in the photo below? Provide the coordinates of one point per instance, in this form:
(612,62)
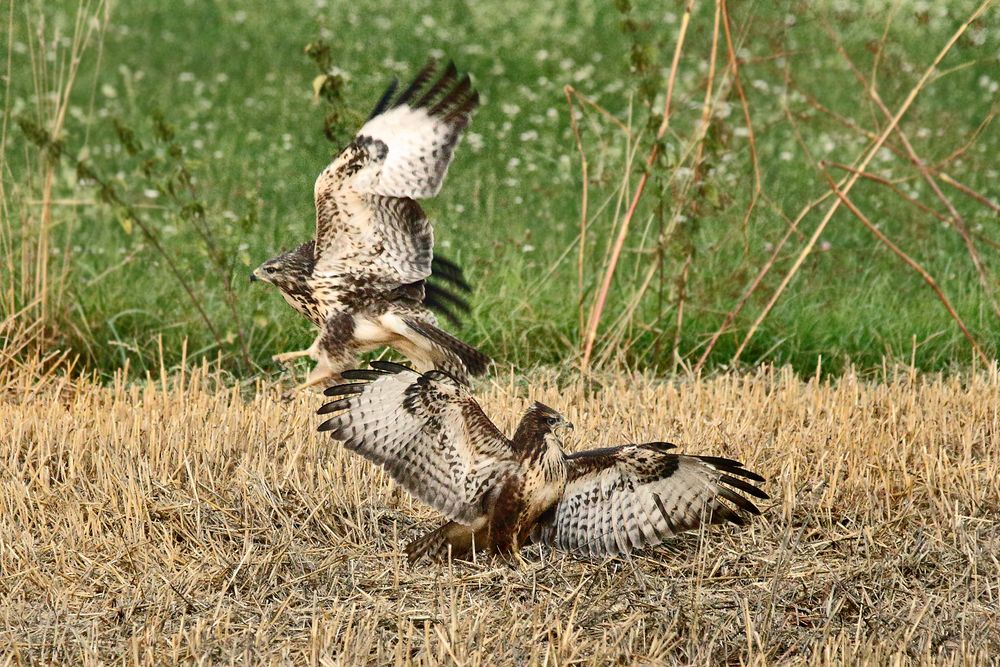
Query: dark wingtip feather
(328,425)
(454,97)
(464,108)
(443,310)
(389,366)
(383,102)
(333,406)
(723,514)
(437,295)
(659,445)
(343,389)
(438,374)
(732,467)
(446,79)
(738,500)
(746,487)
(422,77)
(361,374)
(449,272)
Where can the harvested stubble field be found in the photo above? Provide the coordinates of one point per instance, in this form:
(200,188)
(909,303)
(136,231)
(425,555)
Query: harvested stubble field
(176,519)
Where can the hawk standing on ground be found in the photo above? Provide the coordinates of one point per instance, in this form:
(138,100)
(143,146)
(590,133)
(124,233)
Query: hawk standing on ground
(362,280)
(428,432)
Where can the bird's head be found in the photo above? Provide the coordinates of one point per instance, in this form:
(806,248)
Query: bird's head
(548,419)
(287,269)
(540,427)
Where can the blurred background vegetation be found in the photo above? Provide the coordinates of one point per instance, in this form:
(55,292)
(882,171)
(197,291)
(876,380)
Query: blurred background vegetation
(153,153)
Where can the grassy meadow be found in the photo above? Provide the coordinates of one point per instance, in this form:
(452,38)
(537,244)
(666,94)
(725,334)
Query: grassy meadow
(146,182)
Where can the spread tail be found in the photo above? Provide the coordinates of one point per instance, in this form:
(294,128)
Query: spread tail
(471,361)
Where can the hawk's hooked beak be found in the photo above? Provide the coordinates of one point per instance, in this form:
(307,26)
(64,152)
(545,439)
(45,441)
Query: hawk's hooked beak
(568,425)
(253,277)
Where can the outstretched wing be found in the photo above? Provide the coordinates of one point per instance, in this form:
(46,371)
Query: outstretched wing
(623,498)
(367,222)
(427,432)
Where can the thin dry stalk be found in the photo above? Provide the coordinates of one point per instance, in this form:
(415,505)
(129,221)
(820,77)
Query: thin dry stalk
(751,138)
(581,254)
(681,294)
(616,332)
(56,87)
(969,143)
(610,117)
(912,263)
(602,295)
(706,105)
(911,96)
(908,199)
(880,47)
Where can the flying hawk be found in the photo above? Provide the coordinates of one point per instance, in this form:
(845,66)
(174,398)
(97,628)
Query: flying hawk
(363,279)
(498,493)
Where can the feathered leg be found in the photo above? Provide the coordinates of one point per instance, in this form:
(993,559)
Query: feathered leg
(335,350)
(288,356)
(461,539)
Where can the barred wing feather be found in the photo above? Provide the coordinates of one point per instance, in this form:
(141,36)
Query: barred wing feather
(366,218)
(426,431)
(623,498)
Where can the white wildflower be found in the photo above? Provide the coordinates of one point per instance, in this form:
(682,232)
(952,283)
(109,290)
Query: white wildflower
(510,109)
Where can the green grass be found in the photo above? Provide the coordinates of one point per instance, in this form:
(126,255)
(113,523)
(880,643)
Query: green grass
(234,82)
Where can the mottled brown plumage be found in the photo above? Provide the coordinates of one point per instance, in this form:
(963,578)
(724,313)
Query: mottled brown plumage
(428,432)
(363,279)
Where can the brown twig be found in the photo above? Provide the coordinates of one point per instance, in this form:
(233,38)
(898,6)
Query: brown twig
(769,264)
(681,296)
(756,282)
(899,152)
(891,185)
(879,142)
(966,190)
(599,303)
(961,150)
(958,222)
(880,49)
(842,196)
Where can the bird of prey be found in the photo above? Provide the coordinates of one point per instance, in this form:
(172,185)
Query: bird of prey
(498,493)
(363,279)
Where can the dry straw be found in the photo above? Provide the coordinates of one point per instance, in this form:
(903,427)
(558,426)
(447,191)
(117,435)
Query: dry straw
(177,519)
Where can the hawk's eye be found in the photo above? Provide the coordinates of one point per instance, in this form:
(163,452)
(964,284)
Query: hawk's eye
(552,421)
(269,269)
